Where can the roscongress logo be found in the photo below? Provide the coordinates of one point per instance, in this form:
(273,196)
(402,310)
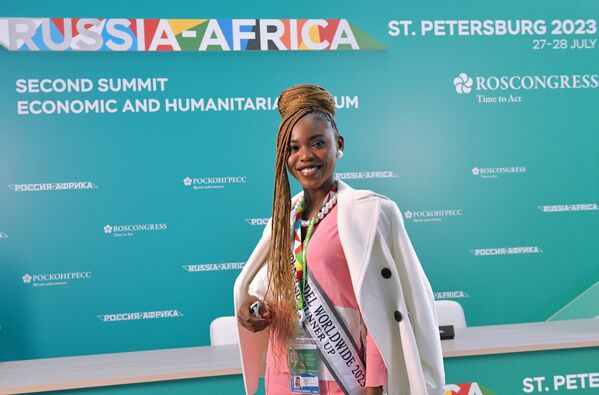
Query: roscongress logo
(213,182)
(54,279)
(141,315)
(451,295)
(506,251)
(3,235)
(431,215)
(125,34)
(462,83)
(131,230)
(356,175)
(491,89)
(494,172)
(257,221)
(208,267)
(53,186)
(494,83)
(560,208)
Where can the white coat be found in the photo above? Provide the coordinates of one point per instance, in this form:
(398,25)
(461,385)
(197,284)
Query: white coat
(398,310)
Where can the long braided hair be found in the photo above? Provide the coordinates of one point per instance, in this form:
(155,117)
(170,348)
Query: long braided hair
(294,103)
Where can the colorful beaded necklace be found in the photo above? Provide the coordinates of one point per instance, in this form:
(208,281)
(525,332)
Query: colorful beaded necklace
(300,248)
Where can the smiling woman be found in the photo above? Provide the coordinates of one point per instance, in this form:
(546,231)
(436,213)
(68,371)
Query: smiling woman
(314,146)
(355,304)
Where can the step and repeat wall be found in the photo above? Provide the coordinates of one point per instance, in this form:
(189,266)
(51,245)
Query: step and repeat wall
(137,147)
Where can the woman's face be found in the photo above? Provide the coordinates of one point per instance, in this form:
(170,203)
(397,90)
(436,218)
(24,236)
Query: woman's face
(312,152)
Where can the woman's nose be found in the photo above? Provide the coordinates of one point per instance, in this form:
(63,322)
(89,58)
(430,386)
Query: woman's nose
(305,153)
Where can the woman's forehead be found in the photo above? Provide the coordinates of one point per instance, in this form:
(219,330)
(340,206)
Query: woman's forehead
(309,126)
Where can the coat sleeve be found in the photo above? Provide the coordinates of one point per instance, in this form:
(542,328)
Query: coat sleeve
(252,346)
(420,303)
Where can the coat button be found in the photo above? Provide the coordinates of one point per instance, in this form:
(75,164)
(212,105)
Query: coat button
(397,316)
(386,273)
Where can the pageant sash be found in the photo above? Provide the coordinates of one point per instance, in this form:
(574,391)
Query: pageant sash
(337,347)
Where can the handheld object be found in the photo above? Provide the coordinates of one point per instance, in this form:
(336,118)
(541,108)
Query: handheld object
(255,309)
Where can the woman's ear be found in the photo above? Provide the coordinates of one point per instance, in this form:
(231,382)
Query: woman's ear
(340,142)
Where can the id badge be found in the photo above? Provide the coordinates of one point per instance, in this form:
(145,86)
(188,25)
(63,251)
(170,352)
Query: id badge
(303,366)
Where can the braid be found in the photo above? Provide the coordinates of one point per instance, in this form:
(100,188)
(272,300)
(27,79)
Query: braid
(294,103)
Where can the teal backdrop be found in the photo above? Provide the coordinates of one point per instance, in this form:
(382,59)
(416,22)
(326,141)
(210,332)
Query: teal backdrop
(488,143)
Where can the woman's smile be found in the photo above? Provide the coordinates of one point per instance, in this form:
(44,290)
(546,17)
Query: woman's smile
(309,171)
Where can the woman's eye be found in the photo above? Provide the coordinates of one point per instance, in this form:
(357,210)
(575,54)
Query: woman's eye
(292,148)
(319,143)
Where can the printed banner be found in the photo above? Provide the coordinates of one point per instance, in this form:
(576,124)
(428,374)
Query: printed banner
(120,34)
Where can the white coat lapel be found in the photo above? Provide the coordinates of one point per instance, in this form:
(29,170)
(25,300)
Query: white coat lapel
(357,219)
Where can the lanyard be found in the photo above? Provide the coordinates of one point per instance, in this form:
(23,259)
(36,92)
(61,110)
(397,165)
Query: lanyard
(300,248)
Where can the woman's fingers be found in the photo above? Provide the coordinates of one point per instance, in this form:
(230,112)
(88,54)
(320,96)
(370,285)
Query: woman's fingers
(245,318)
(254,324)
(260,324)
(265,311)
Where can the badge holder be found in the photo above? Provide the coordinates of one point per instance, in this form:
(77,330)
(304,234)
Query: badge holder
(303,364)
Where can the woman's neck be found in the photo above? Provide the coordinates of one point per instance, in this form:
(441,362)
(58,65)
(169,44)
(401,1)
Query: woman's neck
(313,199)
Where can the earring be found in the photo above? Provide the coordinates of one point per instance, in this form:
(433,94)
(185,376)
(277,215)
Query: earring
(339,154)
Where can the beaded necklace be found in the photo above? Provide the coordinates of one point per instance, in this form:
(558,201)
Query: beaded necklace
(300,248)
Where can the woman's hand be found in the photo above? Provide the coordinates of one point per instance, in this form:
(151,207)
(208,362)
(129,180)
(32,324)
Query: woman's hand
(248,321)
(374,390)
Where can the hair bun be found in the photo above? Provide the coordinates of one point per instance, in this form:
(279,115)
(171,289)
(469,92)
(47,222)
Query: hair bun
(305,96)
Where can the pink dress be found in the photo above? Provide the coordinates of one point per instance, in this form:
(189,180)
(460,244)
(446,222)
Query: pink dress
(327,263)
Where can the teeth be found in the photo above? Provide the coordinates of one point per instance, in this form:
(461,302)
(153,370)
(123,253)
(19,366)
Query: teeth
(308,170)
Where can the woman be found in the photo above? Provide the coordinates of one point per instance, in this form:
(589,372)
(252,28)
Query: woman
(358,290)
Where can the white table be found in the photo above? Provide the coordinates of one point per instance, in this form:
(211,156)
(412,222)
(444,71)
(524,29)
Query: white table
(197,362)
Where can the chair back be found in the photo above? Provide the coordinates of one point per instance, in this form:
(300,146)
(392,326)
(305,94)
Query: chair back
(223,330)
(450,312)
